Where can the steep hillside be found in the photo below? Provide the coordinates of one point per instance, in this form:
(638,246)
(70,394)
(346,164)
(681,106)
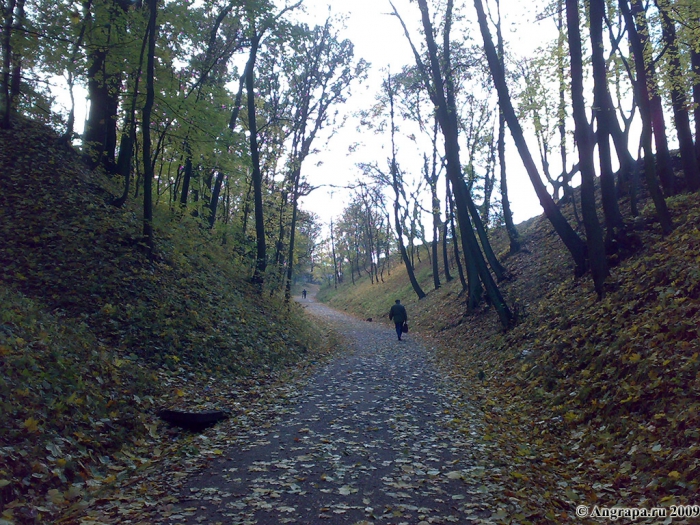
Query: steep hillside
(587,402)
(94,337)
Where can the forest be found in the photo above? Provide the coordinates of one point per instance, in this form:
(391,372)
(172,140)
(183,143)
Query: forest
(150,255)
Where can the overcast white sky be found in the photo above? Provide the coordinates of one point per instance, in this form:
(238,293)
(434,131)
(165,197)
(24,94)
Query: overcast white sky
(379,39)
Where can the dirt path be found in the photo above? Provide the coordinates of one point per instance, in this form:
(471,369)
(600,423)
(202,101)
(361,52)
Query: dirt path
(369,440)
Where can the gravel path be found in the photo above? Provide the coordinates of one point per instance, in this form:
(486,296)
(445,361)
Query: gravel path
(369,440)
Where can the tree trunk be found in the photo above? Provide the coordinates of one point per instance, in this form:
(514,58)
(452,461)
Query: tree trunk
(16,81)
(489,183)
(292,235)
(261,255)
(603,113)
(584,139)
(148,107)
(561,71)
(571,240)
(335,264)
(395,185)
(656,110)
(642,94)
(7,64)
(497,268)
(436,237)
(695,59)
(678,99)
(214,202)
(458,259)
(100,134)
(128,140)
(445,255)
(447,116)
(187,176)
(513,235)
(431,176)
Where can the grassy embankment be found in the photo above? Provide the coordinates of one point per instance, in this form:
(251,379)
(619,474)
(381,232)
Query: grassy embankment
(585,401)
(94,337)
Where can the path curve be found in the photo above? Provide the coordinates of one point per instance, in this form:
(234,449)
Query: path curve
(369,440)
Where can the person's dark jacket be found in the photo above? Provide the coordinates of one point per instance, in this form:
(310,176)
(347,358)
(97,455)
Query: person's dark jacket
(398,314)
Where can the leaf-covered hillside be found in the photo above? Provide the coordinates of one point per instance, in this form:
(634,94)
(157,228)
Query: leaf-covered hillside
(587,402)
(94,336)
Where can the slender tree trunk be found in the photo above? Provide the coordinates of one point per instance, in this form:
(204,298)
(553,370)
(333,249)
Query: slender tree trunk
(187,175)
(603,113)
(489,183)
(695,59)
(678,99)
(445,226)
(7,63)
(447,116)
(16,81)
(643,99)
(431,177)
(214,202)
(335,264)
(395,185)
(147,109)
(126,147)
(561,70)
(261,256)
(436,236)
(455,244)
(584,139)
(571,240)
(513,235)
(656,110)
(498,270)
(292,235)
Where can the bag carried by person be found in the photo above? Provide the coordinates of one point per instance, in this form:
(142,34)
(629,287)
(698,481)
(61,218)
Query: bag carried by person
(404,327)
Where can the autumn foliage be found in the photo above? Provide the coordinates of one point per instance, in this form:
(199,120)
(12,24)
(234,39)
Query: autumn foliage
(95,336)
(586,401)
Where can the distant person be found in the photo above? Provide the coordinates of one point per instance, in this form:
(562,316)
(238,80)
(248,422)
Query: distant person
(303,294)
(399,316)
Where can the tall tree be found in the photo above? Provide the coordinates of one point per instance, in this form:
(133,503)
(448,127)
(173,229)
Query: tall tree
(678,98)
(604,113)
(147,108)
(261,255)
(13,19)
(571,240)
(584,140)
(396,183)
(513,235)
(431,176)
(106,34)
(438,81)
(451,217)
(320,74)
(656,111)
(645,113)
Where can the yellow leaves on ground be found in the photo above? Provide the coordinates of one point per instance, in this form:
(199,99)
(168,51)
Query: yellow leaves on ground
(31,424)
(605,393)
(86,318)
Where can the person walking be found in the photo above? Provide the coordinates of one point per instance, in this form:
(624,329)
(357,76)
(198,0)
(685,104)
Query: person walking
(399,316)
(303,294)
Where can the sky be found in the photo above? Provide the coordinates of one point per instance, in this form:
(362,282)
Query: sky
(379,39)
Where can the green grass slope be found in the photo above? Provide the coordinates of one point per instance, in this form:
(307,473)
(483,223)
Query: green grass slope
(587,402)
(94,337)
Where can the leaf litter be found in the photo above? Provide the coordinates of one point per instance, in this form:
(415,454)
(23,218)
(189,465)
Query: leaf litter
(369,438)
